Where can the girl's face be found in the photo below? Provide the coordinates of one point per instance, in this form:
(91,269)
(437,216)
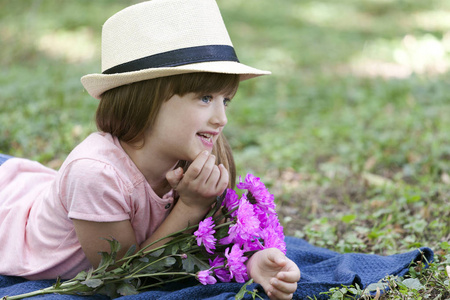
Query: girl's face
(187,125)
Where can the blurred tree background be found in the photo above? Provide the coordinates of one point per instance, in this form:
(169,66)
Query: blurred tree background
(351,132)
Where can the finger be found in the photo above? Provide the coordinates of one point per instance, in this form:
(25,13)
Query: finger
(283,286)
(281,260)
(207,170)
(196,166)
(213,178)
(277,295)
(290,275)
(174,177)
(224,178)
(277,257)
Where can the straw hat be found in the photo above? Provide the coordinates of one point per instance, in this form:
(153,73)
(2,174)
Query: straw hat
(161,38)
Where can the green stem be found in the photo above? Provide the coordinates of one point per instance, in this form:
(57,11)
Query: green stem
(228,214)
(150,275)
(166,281)
(30,294)
(142,251)
(149,264)
(174,241)
(223,225)
(67,288)
(162,274)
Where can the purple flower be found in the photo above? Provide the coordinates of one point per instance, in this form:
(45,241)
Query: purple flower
(231,201)
(273,239)
(261,215)
(254,226)
(205,278)
(258,193)
(246,227)
(235,263)
(205,234)
(253,245)
(221,273)
(250,182)
(272,234)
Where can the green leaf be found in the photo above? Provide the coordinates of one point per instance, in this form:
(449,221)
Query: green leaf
(169,261)
(373,286)
(114,246)
(174,249)
(126,289)
(240,295)
(221,233)
(186,246)
(81,276)
(92,283)
(144,259)
(89,273)
(191,261)
(106,261)
(109,289)
(348,218)
(160,265)
(130,251)
(413,283)
(156,253)
(139,263)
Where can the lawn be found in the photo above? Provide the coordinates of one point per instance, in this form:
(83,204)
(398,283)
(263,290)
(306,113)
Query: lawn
(351,132)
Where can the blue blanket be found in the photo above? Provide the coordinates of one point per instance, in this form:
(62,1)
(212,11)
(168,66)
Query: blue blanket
(321,270)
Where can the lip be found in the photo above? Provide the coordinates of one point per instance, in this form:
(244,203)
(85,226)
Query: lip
(207,138)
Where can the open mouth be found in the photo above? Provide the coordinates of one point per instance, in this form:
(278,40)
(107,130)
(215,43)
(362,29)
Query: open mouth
(207,137)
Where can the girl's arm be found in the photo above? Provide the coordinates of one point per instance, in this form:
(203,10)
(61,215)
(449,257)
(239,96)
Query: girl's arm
(198,188)
(92,235)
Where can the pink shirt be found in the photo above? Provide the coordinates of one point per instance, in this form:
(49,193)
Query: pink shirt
(97,182)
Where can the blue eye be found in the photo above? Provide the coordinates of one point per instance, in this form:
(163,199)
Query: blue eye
(206,99)
(226,101)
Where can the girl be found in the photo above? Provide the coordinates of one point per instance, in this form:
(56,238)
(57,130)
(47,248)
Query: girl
(158,161)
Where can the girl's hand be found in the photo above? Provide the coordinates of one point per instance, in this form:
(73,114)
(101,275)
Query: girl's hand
(276,273)
(202,182)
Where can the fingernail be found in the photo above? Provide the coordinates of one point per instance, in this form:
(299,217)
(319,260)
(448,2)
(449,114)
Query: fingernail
(178,171)
(205,152)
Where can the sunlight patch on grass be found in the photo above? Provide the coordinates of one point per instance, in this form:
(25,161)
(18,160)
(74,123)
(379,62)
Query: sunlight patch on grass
(386,58)
(72,46)
(433,20)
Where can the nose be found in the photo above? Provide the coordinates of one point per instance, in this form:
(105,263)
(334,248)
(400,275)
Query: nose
(219,116)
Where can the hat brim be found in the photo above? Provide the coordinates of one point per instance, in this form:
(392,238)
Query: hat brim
(97,84)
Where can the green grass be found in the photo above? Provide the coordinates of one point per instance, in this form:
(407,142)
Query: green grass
(351,131)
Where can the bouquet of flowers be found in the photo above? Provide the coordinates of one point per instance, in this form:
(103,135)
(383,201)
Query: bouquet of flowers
(217,250)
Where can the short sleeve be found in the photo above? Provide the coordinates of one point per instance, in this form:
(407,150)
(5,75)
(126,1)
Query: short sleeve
(92,190)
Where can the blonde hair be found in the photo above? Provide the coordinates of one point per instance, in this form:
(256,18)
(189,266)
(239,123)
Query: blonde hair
(128,111)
